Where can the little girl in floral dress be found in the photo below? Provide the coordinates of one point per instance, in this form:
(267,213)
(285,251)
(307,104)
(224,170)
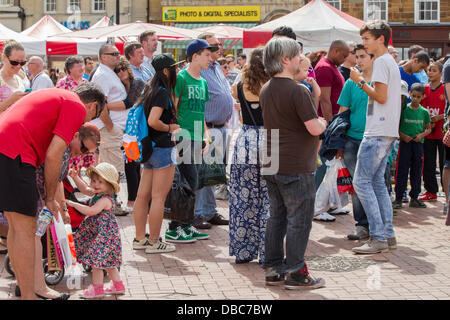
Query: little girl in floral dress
(97,241)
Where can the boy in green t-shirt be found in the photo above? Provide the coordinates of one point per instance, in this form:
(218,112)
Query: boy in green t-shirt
(414,126)
(192,89)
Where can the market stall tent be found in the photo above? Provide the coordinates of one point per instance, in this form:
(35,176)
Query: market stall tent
(32,46)
(316,25)
(103,22)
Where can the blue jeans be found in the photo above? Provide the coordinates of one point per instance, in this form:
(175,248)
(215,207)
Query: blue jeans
(205,202)
(370,186)
(291,212)
(350,157)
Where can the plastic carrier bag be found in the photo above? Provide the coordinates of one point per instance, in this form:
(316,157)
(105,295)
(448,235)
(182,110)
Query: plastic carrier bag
(328,196)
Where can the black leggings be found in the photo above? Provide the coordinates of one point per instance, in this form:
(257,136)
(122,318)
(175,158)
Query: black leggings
(133,174)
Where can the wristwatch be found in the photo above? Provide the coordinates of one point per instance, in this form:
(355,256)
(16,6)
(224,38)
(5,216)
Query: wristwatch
(361,84)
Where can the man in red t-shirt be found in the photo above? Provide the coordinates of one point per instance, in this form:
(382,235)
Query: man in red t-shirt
(35,129)
(330,78)
(331,82)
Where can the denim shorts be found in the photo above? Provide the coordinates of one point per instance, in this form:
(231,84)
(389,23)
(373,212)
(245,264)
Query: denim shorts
(161,158)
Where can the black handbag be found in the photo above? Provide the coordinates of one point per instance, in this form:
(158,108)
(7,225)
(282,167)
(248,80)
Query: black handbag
(180,201)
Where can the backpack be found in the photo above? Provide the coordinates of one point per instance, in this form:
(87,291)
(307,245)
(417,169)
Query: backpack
(136,133)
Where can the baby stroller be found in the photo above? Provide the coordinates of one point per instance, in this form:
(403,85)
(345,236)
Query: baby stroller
(53,277)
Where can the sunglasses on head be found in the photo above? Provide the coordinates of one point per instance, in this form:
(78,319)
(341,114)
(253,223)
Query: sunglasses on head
(16,63)
(115,54)
(118,69)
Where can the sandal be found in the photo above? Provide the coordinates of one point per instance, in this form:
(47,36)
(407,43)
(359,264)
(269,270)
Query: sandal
(3,248)
(325,217)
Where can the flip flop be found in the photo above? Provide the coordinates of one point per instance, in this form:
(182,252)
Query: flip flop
(3,249)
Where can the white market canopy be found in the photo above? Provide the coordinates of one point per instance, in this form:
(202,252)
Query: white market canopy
(32,46)
(316,25)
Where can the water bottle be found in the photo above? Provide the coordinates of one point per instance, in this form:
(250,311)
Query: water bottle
(45,217)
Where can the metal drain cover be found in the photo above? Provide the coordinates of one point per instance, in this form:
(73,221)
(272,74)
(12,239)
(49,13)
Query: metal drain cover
(338,263)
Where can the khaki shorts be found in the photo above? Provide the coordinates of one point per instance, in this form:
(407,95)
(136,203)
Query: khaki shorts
(110,148)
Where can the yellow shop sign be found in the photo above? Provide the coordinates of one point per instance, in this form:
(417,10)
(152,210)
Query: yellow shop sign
(217,14)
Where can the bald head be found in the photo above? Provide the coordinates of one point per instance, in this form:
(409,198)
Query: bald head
(35,65)
(338,52)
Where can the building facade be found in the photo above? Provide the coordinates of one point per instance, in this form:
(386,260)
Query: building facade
(74,14)
(423,22)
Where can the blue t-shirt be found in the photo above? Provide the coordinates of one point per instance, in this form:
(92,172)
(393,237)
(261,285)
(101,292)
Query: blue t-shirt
(409,78)
(356,100)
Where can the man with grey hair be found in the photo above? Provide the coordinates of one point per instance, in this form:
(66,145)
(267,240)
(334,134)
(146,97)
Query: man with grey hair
(289,110)
(39,79)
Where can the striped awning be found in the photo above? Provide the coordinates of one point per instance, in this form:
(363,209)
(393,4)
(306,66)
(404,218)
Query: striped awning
(182,44)
(202,25)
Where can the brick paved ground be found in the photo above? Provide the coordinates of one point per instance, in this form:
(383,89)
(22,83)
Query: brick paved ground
(418,269)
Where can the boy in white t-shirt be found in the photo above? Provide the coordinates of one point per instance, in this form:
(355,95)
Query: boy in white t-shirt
(382,129)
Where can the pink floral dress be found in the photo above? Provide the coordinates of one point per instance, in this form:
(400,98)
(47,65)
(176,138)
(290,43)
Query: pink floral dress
(68,83)
(97,241)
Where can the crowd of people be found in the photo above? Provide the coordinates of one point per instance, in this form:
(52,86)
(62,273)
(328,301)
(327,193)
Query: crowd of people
(382,111)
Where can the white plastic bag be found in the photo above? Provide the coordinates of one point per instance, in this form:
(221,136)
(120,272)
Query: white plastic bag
(63,242)
(327,196)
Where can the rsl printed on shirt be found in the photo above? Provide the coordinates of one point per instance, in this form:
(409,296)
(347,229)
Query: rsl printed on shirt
(196,98)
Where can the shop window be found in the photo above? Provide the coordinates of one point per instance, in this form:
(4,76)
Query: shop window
(6,3)
(427,11)
(335,3)
(375,10)
(99,6)
(74,6)
(50,6)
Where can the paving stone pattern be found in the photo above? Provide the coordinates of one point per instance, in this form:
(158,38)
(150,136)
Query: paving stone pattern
(418,269)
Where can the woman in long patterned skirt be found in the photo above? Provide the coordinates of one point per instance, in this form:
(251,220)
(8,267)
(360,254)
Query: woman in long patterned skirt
(249,200)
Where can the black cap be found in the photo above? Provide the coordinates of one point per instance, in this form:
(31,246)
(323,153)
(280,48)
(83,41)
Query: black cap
(164,60)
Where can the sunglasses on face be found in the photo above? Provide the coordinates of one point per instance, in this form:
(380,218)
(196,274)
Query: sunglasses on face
(115,54)
(225,67)
(16,63)
(118,69)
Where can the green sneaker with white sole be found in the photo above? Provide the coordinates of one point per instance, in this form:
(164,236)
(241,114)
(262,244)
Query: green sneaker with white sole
(191,231)
(178,236)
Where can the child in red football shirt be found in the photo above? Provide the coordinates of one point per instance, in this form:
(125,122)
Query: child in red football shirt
(434,102)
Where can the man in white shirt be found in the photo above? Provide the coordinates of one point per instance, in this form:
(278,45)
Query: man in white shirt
(382,129)
(39,79)
(112,120)
(149,42)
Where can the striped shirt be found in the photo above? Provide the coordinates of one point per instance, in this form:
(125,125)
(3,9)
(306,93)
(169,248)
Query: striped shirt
(219,108)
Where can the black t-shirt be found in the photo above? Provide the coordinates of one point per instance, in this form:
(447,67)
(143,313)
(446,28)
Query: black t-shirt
(250,115)
(345,72)
(163,139)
